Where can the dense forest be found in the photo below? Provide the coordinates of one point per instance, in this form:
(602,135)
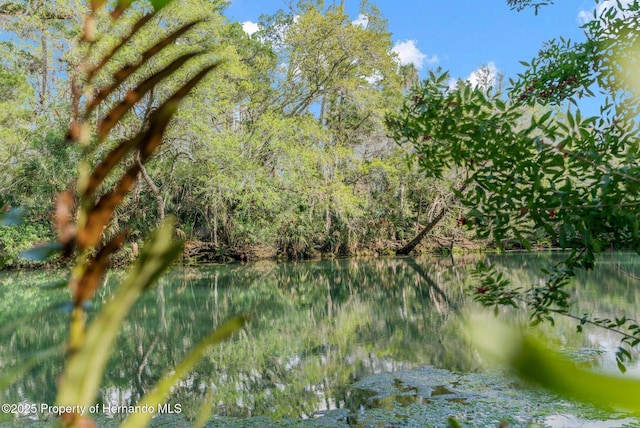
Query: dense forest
(290,147)
(282,151)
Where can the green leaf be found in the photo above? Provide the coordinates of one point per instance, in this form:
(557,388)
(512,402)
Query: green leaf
(544,117)
(83,374)
(453,423)
(159,394)
(159,4)
(570,119)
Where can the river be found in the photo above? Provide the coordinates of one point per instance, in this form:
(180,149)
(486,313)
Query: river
(376,342)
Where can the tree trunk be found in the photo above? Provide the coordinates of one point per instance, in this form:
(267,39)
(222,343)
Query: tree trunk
(419,213)
(156,192)
(433,223)
(215,226)
(44,90)
(322,109)
(418,238)
(436,294)
(401,202)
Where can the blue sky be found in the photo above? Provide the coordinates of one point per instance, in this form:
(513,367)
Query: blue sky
(457,35)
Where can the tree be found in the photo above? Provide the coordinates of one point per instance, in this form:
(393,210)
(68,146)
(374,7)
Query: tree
(47,28)
(283,110)
(340,71)
(576,179)
(14,127)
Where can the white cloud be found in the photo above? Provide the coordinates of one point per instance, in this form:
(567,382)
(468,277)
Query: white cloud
(585,15)
(485,76)
(250,27)
(375,78)
(362,20)
(452,83)
(408,53)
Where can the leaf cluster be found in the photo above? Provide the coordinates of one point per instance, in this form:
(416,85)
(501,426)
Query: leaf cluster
(530,167)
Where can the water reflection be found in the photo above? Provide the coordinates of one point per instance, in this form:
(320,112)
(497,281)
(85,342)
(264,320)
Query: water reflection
(317,328)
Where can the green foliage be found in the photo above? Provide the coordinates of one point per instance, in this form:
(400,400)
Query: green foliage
(15,239)
(493,289)
(260,157)
(529,168)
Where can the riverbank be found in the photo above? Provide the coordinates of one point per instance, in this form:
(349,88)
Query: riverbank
(204,253)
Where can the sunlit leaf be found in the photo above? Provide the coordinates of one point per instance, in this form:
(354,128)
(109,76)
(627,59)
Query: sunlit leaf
(205,411)
(159,4)
(539,363)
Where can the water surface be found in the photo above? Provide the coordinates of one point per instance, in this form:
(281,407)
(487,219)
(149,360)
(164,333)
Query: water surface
(349,342)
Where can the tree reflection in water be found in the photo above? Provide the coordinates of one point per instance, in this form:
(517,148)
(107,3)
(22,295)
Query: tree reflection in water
(317,328)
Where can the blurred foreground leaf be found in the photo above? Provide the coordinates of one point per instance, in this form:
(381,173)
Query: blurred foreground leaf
(41,252)
(535,361)
(13,217)
(83,374)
